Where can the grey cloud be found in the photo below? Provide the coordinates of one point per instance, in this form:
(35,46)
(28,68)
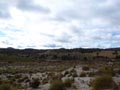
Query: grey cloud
(4,14)
(25,5)
(48,35)
(6,42)
(78,10)
(29,5)
(77,30)
(4,11)
(96,37)
(110,13)
(52,46)
(58,18)
(30,46)
(87,10)
(64,38)
(19,46)
(66,15)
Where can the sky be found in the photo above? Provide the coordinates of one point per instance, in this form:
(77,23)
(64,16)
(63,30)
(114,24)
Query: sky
(52,24)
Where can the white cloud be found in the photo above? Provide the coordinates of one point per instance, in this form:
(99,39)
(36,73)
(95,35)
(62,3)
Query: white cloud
(59,23)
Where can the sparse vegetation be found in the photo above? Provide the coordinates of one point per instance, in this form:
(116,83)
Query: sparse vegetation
(102,83)
(60,85)
(62,69)
(5,87)
(8,85)
(106,70)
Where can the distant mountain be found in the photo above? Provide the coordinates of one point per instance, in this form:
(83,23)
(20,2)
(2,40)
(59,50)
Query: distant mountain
(7,54)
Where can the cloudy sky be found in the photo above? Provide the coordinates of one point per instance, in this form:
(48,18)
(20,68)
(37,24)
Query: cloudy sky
(46,24)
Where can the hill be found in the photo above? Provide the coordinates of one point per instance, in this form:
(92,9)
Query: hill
(8,54)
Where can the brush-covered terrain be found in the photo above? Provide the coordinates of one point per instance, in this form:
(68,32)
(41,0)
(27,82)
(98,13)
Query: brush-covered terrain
(60,69)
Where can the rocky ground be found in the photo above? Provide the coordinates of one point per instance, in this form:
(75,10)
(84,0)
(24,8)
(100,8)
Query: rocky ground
(82,76)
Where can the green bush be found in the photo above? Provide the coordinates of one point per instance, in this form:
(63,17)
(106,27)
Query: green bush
(68,82)
(44,81)
(91,74)
(57,85)
(106,70)
(102,82)
(85,68)
(17,76)
(117,57)
(35,83)
(5,87)
(83,74)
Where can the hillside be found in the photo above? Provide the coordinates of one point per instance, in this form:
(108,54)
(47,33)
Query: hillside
(8,54)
